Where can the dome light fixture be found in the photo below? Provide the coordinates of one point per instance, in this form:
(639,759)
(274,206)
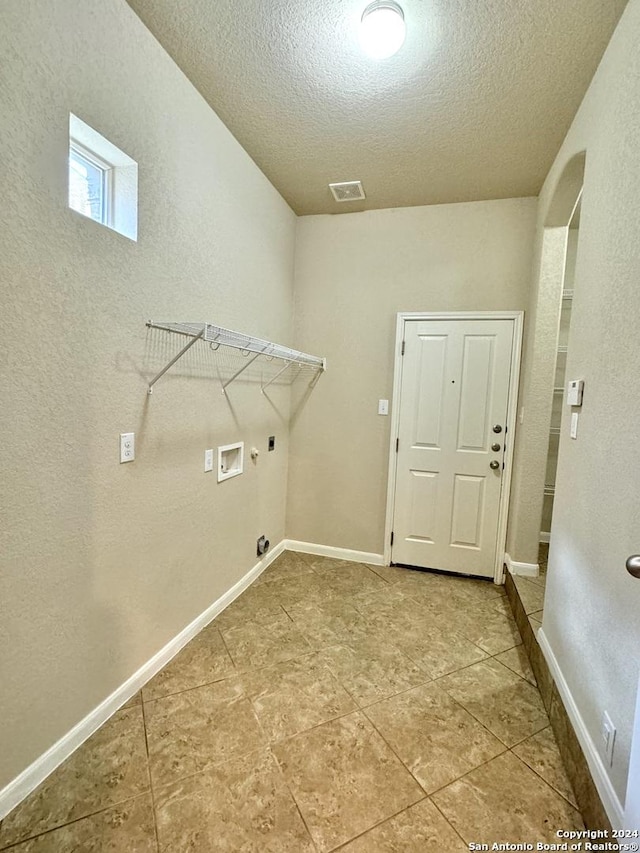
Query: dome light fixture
(382,29)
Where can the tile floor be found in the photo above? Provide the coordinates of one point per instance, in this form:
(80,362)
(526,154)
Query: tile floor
(332,706)
(531,590)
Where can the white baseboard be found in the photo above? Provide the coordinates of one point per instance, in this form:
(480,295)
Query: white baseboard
(526,570)
(610,801)
(37,772)
(545,536)
(336,553)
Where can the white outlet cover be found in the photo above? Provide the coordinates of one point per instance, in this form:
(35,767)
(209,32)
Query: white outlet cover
(208,460)
(383,407)
(127,446)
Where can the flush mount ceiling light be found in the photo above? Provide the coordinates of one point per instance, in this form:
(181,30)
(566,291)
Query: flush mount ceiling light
(382,29)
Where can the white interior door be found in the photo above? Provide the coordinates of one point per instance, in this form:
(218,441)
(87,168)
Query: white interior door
(454,397)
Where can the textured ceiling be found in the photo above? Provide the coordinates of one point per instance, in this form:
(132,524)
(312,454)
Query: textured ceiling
(474,106)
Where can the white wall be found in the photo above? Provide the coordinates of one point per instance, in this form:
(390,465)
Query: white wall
(591,619)
(354,272)
(101,563)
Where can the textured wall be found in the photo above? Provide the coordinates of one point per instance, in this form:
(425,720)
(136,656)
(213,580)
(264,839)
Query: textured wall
(103,563)
(353,274)
(592,604)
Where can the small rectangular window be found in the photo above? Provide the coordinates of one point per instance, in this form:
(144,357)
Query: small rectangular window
(89,184)
(103,180)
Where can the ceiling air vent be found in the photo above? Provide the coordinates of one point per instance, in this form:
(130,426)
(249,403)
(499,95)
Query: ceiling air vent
(347,191)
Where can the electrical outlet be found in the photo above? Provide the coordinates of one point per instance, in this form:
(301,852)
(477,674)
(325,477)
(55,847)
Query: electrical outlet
(127,446)
(208,460)
(383,407)
(608,736)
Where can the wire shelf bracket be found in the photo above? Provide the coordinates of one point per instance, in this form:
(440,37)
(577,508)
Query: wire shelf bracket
(217,336)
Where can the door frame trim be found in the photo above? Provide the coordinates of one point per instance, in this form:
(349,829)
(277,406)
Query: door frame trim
(514,381)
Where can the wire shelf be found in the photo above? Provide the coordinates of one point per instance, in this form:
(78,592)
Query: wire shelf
(218,336)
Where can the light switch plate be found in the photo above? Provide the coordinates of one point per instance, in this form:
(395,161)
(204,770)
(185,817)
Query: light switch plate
(127,446)
(575,417)
(208,460)
(383,407)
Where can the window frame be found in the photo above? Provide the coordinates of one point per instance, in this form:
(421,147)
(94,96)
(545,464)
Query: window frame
(107,171)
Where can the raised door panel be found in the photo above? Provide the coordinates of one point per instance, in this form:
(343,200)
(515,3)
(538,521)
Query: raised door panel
(423,502)
(468,511)
(426,428)
(478,367)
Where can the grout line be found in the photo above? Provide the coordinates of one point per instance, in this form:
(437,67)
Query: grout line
(67,823)
(546,781)
(376,825)
(153,799)
(436,806)
(292,795)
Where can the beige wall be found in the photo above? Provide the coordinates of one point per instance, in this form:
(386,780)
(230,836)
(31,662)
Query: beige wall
(103,563)
(591,610)
(354,272)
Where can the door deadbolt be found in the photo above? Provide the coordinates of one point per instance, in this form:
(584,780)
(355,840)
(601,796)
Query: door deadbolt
(497,428)
(494,464)
(495,447)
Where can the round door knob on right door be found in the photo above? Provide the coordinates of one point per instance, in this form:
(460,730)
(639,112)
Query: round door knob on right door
(494,464)
(633,565)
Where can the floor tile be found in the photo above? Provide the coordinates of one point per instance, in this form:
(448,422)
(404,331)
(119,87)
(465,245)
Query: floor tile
(255,644)
(540,752)
(309,587)
(243,804)
(506,802)
(506,704)
(256,604)
(517,660)
(391,574)
(294,722)
(418,829)
(288,564)
(191,731)
(202,660)
(372,669)
(126,827)
(327,623)
(440,652)
(320,564)
(294,696)
(435,737)
(109,768)
(352,579)
(531,594)
(392,611)
(345,779)
(492,632)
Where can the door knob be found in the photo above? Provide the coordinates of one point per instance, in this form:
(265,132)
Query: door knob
(494,465)
(497,428)
(633,565)
(495,447)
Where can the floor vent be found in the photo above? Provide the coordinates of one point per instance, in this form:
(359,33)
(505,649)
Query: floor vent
(347,191)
